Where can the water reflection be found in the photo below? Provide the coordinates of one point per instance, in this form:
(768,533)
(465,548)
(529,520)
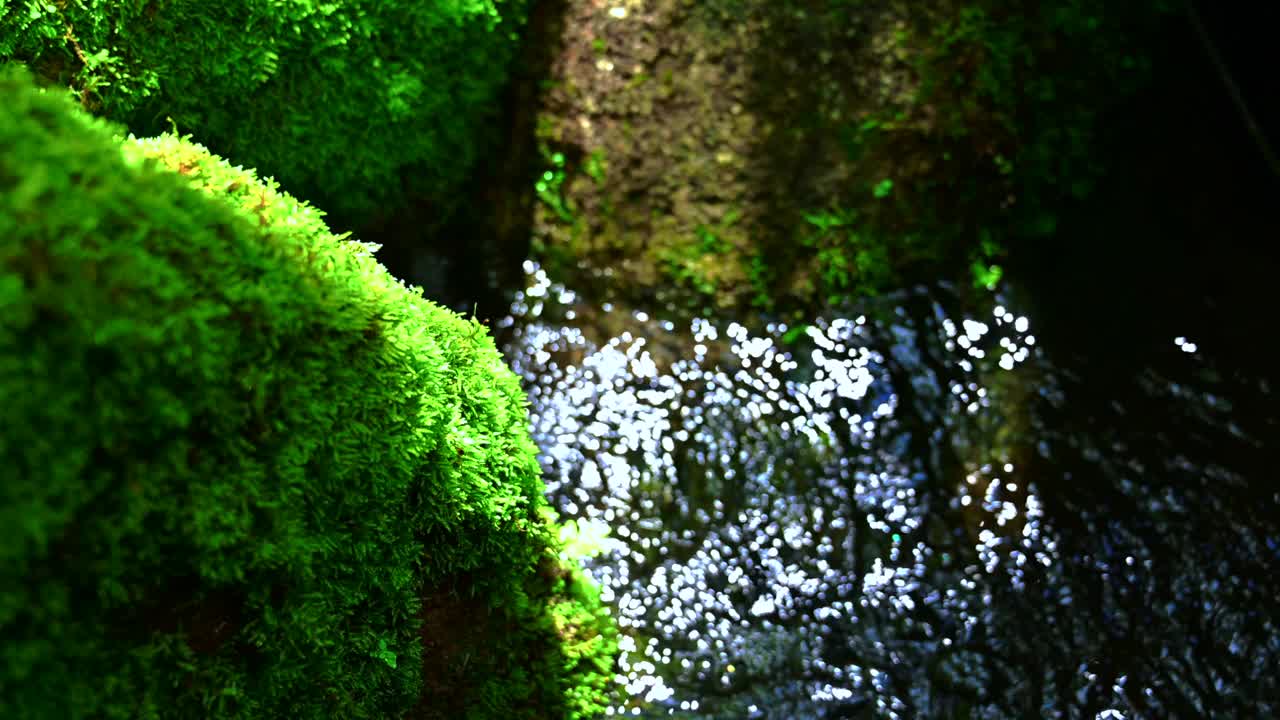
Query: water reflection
(845,520)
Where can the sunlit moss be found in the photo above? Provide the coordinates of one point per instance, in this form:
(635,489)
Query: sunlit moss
(245,472)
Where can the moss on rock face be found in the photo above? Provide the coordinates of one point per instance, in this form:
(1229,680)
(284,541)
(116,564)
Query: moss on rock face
(865,146)
(337,100)
(241,465)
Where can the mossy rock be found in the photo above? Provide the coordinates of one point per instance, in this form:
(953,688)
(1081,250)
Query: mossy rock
(352,104)
(242,466)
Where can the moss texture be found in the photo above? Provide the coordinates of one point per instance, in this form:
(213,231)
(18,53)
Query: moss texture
(337,100)
(247,473)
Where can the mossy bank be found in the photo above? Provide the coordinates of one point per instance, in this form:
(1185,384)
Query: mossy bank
(359,106)
(245,472)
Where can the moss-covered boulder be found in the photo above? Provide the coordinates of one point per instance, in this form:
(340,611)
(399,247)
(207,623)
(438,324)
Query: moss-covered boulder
(338,100)
(246,473)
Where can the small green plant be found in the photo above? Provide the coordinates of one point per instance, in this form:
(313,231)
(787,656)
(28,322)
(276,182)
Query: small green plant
(709,243)
(986,273)
(685,261)
(549,186)
(685,268)
(848,260)
(794,333)
(761,278)
(882,189)
(826,220)
(986,276)
(1003,164)
(383,654)
(596,166)
(695,263)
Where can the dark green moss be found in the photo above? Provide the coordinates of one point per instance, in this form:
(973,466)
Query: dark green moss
(351,104)
(242,464)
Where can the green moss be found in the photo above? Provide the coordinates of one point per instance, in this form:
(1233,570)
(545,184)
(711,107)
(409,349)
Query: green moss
(245,472)
(852,258)
(704,262)
(338,100)
(590,646)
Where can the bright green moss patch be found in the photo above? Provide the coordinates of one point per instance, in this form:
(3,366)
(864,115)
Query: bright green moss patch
(338,100)
(243,467)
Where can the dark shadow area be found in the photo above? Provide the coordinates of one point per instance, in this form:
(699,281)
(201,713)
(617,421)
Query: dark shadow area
(1241,37)
(472,259)
(836,84)
(1156,453)
(1179,239)
(819,66)
(475,653)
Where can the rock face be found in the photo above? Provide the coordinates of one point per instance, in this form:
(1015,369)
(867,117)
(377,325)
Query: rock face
(245,472)
(699,134)
(778,155)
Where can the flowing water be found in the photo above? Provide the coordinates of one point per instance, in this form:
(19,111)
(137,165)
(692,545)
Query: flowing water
(847,519)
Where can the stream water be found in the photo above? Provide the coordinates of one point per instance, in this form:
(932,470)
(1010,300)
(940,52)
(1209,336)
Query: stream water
(846,520)
(927,505)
